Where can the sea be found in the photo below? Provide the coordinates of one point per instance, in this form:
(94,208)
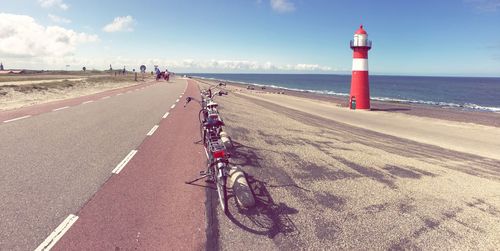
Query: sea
(467,93)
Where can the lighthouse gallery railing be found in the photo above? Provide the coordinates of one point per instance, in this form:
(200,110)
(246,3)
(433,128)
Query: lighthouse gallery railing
(367,44)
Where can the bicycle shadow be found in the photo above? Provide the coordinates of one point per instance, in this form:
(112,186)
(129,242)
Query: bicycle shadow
(266,218)
(242,155)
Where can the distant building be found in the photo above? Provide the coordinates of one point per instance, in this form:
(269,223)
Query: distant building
(1,66)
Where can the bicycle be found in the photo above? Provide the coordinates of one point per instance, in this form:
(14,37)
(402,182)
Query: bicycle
(218,164)
(217,156)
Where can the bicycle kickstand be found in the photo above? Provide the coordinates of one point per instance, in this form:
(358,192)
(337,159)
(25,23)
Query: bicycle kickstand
(199,178)
(203,174)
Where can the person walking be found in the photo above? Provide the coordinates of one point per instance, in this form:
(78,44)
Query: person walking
(167,75)
(158,74)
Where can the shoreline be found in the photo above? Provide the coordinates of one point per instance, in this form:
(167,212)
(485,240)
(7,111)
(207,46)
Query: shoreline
(467,106)
(487,118)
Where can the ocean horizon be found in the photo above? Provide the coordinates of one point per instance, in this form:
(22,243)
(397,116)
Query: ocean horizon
(467,93)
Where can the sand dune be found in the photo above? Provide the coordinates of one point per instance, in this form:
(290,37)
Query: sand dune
(28,82)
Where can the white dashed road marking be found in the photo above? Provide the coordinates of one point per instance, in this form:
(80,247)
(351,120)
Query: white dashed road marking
(185,88)
(105,97)
(60,108)
(19,118)
(166,114)
(124,162)
(177,101)
(54,237)
(172,107)
(152,130)
(86,102)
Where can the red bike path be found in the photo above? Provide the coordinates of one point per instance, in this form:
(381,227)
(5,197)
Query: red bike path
(147,206)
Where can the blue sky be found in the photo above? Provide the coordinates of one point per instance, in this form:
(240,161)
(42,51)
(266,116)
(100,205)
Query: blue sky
(446,37)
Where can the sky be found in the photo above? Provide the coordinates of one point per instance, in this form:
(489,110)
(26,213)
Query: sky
(425,37)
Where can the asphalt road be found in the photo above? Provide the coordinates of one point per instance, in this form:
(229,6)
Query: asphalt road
(147,206)
(53,162)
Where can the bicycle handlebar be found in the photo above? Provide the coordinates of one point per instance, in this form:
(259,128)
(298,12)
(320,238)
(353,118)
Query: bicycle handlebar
(189,99)
(219,93)
(212,90)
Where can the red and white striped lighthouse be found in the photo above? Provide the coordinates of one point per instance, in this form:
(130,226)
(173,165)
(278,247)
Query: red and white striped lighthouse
(360,89)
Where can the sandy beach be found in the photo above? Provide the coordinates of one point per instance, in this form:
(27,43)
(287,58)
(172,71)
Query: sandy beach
(329,178)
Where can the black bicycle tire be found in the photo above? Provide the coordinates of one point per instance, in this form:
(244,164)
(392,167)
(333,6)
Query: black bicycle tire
(202,135)
(199,116)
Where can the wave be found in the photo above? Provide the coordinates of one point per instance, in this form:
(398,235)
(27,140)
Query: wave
(485,108)
(466,106)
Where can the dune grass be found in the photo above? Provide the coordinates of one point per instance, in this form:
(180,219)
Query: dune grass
(61,82)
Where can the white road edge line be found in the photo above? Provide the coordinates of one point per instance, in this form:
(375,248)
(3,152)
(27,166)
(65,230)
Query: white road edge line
(152,130)
(19,118)
(172,107)
(124,162)
(86,102)
(54,237)
(166,114)
(119,94)
(105,97)
(60,108)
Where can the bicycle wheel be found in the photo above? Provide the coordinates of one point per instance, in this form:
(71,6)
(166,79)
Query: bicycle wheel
(202,134)
(222,191)
(201,116)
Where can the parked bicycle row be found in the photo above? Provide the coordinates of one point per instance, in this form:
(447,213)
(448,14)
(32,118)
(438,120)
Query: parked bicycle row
(215,141)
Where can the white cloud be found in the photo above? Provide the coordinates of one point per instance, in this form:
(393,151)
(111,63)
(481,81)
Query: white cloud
(22,36)
(50,3)
(238,66)
(310,67)
(485,5)
(58,19)
(125,23)
(282,6)
(180,65)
